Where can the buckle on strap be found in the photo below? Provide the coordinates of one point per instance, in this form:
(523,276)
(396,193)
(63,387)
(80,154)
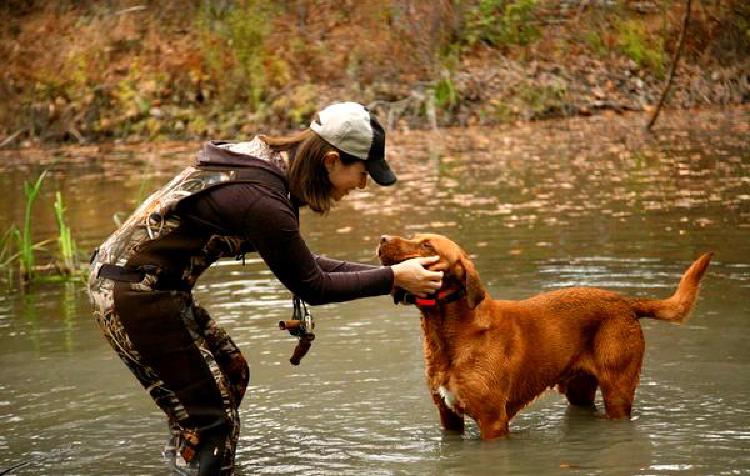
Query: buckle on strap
(441,297)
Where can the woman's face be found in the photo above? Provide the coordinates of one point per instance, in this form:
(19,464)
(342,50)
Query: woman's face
(345,178)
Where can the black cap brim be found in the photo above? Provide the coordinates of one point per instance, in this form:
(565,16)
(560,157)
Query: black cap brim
(376,165)
(380,172)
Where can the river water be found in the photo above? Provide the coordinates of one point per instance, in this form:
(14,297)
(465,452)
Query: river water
(587,201)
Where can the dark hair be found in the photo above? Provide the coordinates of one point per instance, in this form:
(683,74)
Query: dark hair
(307,173)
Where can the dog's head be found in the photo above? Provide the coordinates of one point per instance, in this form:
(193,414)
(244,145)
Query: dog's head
(459,271)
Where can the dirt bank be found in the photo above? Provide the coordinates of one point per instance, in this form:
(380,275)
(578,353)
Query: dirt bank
(92,71)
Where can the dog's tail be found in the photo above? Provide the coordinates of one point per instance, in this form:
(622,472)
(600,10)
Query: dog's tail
(677,307)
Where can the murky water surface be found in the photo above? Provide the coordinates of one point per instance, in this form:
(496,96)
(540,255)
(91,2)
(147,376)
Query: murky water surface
(541,206)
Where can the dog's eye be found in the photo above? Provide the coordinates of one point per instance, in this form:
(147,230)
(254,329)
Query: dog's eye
(427,246)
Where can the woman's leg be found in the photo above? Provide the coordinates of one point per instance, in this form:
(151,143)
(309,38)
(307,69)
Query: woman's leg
(111,326)
(226,353)
(158,337)
(233,366)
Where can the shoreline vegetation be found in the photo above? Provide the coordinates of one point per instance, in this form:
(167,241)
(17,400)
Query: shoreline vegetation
(19,253)
(88,71)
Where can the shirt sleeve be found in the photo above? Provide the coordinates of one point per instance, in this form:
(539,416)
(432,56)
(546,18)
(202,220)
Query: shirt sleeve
(267,220)
(330,264)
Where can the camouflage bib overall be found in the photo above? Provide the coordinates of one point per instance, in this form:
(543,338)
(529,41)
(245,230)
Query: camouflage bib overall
(146,311)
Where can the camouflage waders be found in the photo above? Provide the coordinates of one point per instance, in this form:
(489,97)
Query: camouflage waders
(187,363)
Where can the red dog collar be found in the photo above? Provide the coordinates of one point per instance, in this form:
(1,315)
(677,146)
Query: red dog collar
(441,297)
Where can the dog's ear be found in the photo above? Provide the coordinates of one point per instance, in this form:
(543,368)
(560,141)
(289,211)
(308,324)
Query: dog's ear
(475,292)
(440,265)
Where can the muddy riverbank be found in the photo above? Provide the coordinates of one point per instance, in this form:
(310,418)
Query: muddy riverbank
(84,72)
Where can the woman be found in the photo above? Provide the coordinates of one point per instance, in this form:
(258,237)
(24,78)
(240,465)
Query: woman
(240,197)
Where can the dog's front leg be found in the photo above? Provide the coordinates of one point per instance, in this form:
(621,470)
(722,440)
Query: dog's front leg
(492,423)
(450,420)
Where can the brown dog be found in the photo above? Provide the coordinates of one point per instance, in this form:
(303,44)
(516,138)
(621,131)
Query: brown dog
(489,358)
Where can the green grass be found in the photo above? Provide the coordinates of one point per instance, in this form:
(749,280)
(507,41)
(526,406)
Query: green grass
(26,245)
(594,41)
(64,239)
(445,92)
(500,22)
(6,245)
(634,42)
(241,30)
(23,253)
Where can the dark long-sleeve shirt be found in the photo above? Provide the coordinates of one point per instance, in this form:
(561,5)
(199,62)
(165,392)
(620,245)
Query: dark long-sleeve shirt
(268,221)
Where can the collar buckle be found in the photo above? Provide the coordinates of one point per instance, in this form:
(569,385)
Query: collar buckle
(441,297)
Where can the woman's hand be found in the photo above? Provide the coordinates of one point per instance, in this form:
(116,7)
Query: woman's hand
(412,276)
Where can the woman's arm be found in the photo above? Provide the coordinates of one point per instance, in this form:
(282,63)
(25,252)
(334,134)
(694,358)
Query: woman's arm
(333,265)
(350,281)
(409,274)
(282,248)
(267,220)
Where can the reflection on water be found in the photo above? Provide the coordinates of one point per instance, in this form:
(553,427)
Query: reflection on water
(539,206)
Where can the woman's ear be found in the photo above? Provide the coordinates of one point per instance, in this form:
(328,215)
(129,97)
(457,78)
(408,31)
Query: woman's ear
(330,159)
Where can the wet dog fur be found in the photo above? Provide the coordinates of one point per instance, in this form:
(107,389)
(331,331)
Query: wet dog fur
(489,358)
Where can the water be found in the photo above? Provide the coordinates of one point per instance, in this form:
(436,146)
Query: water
(540,206)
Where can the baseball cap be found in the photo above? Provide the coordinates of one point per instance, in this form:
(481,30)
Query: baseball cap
(349,127)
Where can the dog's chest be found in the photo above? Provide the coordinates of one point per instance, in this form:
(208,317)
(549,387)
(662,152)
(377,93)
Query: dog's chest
(450,399)
(439,350)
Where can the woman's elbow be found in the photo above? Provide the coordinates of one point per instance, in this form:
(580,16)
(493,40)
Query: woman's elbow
(315,300)
(312,296)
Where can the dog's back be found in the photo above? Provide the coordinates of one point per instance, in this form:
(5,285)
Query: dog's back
(582,338)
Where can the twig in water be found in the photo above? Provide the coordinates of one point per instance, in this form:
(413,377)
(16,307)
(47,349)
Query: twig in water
(11,138)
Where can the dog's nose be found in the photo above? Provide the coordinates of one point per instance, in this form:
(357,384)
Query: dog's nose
(384,239)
